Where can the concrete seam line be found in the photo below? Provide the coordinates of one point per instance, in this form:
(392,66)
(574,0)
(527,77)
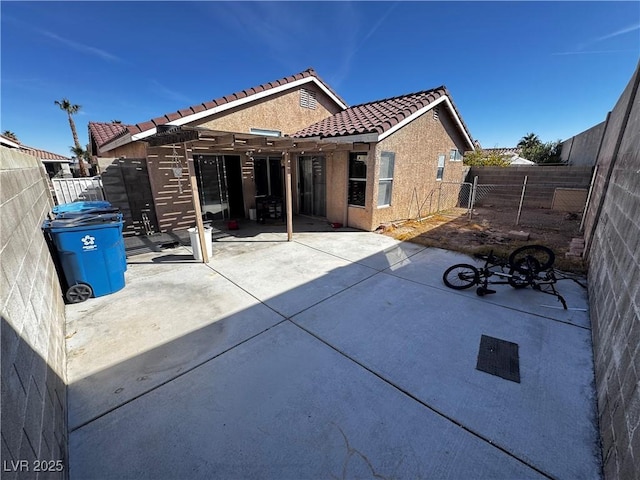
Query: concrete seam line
(357,262)
(565,322)
(424,404)
(97,417)
(333,295)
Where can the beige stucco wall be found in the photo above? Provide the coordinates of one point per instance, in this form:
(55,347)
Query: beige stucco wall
(130,150)
(416,147)
(280,112)
(337,171)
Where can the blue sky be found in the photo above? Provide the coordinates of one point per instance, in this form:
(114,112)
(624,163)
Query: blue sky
(552,68)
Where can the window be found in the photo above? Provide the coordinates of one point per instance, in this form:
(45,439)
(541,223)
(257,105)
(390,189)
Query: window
(357,178)
(308,99)
(440,172)
(267,172)
(385,182)
(265,132)
(455,155)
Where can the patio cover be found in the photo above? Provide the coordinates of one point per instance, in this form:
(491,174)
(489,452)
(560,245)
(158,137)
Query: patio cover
(205,139)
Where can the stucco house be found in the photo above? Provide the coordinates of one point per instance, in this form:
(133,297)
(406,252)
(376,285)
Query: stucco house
(359,166)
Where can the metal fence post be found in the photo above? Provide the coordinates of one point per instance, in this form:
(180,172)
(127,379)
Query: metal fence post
(586,203)
(439,194)
(472,197)
(524,187)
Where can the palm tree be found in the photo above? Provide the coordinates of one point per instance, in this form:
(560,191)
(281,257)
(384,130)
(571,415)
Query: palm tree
(529,140)
(82,155)
(10,135)
(72,109)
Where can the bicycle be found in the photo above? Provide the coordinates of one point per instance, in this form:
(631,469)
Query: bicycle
(527,266)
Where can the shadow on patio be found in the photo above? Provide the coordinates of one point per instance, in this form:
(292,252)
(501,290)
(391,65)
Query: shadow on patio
(334,356)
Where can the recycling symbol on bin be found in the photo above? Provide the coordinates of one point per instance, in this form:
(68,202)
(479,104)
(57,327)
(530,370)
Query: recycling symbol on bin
(88,240)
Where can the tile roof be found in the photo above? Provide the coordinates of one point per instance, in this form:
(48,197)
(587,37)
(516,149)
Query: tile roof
(505,150)
(376,117)
(102,132)
(105,132)
(43,154)
(36,152)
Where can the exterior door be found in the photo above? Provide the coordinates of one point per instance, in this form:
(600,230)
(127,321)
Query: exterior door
(312,185)
(220,186)
(126,186)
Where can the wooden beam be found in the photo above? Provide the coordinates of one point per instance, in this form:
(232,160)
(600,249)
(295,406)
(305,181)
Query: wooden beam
(289,203)
(196,205)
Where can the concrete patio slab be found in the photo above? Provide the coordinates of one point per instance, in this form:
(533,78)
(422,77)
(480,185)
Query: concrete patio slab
(427,267)
(375,251)
(336,355)
(427,345)
(172,315)
(290,276)
(282,405)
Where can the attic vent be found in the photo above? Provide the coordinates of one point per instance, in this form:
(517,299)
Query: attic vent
(436,113)
(308,99)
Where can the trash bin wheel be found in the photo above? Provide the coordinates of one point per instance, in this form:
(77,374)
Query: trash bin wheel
(79,293)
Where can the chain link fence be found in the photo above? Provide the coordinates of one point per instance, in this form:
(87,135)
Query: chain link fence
(535,204)
(444,196)
(527,203)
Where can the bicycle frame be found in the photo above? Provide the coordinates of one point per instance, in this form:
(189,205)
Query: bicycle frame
(528,266)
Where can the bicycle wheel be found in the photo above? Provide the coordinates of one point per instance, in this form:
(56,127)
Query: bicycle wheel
(523,273)
(544,257)
(461,276)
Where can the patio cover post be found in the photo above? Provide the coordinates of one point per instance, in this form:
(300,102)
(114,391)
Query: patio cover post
(196,204)
(288,189)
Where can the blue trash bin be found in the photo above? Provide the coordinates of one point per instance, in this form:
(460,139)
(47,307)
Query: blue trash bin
(89,250)
(81,208)
(75,209)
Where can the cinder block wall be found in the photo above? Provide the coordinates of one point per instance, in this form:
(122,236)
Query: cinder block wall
(583,149)
(614,288)
(33,361)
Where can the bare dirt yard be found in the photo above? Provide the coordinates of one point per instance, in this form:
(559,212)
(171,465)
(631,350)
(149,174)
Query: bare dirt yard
(489,229)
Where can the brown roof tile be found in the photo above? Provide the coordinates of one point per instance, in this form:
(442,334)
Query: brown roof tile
(42,154)
(375,117)
(102,132)
(145,126)
(111,131)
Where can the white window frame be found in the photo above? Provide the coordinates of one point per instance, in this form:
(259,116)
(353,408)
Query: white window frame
(357,179)
(266,132)
(455,155)
(440,171)
(386,180)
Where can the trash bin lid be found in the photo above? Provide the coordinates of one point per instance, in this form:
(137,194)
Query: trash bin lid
(83,220)
(79,208)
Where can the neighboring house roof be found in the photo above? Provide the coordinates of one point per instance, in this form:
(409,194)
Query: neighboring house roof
(8,142)
(513,154)
(42,155)
(102,132)
(504,150)
(196,112)
(518,160)
(383,117)
(45,156)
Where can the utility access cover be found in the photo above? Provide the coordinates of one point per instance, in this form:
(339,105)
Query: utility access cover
(499,357)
